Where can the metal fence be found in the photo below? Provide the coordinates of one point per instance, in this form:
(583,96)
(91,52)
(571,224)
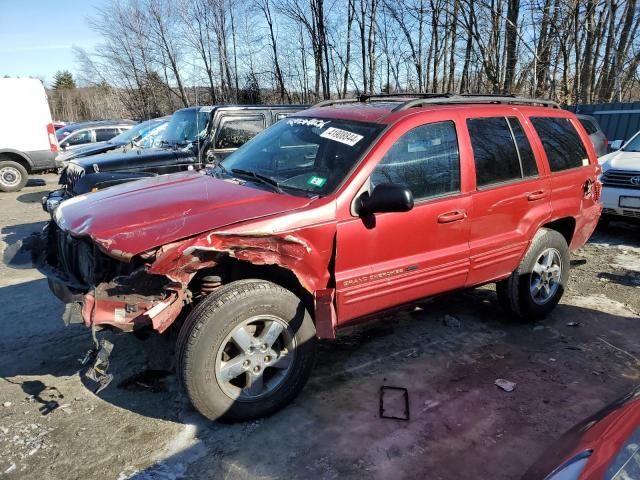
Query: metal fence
(619,121)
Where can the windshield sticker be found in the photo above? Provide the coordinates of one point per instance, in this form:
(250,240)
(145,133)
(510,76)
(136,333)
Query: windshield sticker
(342,136)
(317,182)
(206,109)
(309,122)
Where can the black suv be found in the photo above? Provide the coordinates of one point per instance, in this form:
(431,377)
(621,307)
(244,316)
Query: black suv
(194,138)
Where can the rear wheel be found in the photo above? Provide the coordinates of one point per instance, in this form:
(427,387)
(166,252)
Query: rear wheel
(535,288)
(246,350)
(13,176)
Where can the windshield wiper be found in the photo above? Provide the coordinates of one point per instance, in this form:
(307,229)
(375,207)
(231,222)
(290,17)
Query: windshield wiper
(261,178)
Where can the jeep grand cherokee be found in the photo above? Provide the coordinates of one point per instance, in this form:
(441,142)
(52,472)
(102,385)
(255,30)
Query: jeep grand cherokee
(330,217)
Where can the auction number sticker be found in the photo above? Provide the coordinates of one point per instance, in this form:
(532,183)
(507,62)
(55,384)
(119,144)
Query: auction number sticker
(342,136)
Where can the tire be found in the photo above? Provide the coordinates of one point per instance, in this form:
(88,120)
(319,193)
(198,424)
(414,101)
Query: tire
(516,293)
(13,176)
(212,348)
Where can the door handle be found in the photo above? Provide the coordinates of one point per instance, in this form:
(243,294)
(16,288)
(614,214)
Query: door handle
(454,216)
(537,195)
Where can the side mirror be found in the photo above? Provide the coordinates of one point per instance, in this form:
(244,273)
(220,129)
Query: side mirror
(616,144)
(64,145)
(386,197)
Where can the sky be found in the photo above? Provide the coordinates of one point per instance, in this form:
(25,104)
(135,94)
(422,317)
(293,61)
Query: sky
(37,36)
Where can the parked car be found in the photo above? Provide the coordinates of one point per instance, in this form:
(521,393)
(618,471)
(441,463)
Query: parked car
(596,135)
(144,135)
(78,134)
(603,446)
(621,181)
(332,216)
(194,138)
(27,137)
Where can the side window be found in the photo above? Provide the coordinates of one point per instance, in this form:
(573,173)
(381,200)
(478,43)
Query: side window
(104,134)
(235,132)
(527,160)
(79,138)
(494,151)
(561,142)
(425,159)
(588,126)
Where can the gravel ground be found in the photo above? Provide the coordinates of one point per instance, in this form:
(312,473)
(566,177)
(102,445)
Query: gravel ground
(447,354)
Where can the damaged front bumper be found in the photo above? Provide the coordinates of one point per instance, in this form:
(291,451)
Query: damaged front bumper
(131,300)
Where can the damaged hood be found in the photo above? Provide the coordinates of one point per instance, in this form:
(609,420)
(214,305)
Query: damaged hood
(129,219)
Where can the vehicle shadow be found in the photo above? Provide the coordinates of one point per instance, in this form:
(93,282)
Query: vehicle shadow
(36,182)
(144,368)
(32,197)
(401,352)
(17,253)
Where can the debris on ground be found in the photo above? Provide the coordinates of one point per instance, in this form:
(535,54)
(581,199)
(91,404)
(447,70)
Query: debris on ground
(7,404)
(452,322)
(538,327)
(394,403)
(505,385)
(574,324)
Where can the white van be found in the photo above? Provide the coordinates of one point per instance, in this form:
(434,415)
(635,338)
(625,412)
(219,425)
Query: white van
(27,138)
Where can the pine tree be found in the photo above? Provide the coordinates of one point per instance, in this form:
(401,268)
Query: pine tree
(63,79)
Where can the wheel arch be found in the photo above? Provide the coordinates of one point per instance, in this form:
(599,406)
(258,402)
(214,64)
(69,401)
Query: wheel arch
(232,269)
(565,226)
(18,157)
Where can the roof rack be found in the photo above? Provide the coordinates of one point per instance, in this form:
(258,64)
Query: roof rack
(380,97)
(423,99)
(474,98)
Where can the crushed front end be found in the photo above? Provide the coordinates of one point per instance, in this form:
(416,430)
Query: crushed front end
(100,290)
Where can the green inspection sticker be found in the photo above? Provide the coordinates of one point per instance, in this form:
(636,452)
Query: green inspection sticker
(316,181)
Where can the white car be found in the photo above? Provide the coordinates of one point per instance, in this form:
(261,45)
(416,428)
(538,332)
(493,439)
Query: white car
(621,180)
(27,137)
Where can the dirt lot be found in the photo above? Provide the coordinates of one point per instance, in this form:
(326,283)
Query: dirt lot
(448,354)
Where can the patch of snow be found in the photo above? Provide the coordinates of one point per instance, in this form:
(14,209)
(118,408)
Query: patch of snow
(172,463)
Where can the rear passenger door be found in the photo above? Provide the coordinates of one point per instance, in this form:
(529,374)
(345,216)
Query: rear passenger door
(511,197)
(573,173)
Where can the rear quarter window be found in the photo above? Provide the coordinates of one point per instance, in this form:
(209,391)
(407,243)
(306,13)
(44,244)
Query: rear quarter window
(588,126)
(561,142)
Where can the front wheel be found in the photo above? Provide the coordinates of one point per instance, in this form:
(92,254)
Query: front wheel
(246,350)
(535,288)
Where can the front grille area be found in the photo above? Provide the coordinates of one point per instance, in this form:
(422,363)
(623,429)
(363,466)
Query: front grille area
(621,179)
(625,212)
(72,174)
(76,258)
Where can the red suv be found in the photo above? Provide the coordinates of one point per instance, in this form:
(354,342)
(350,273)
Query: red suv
(328,217)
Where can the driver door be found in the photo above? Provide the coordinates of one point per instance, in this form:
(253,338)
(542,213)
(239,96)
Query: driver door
(394,258)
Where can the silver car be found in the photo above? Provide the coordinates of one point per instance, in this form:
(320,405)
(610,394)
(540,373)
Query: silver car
(597,136)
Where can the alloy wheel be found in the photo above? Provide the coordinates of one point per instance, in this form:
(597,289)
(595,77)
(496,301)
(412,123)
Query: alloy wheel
(546,276)
(255,358)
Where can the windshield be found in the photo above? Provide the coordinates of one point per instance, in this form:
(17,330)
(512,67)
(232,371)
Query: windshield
(633,145)
(187,126)
(136,133)
(304,154)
